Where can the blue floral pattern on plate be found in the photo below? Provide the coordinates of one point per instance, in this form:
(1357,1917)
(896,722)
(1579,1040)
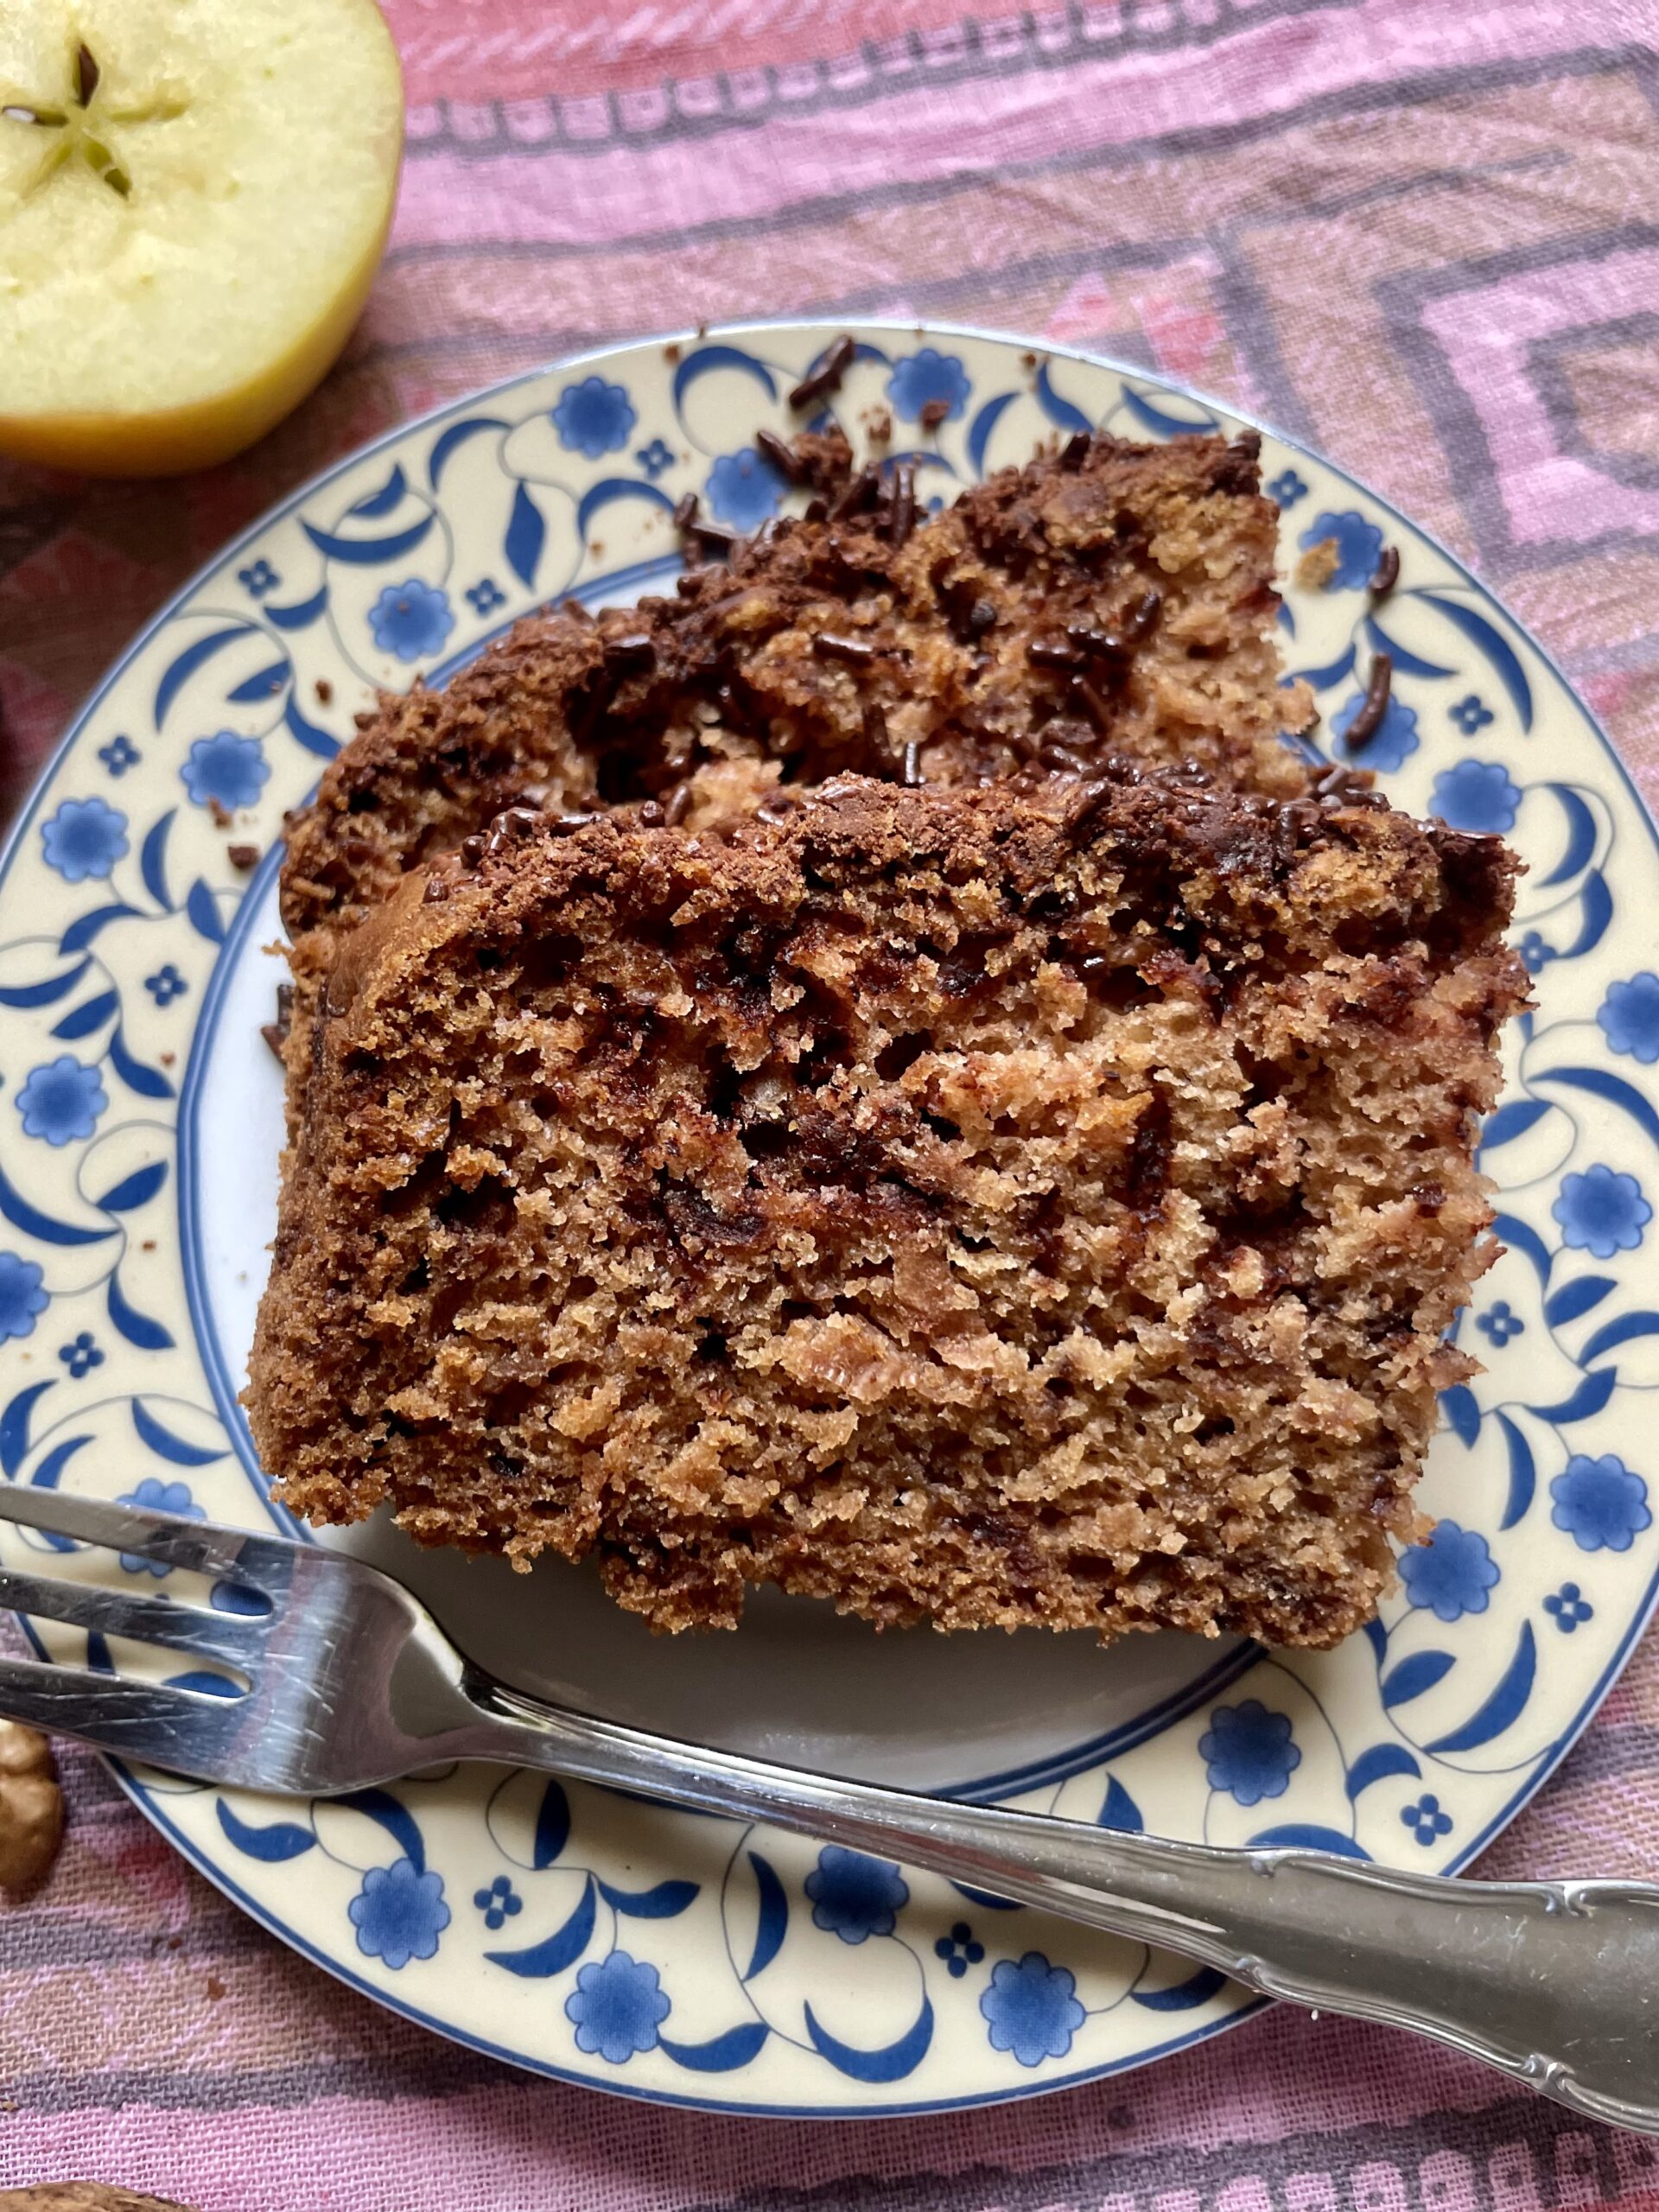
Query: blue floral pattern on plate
(700,1961)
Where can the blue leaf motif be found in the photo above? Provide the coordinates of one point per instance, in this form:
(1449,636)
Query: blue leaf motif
(184,666)
(148,1082)
(1596,902)
(1197,1989)
(1499,653)
(708,357)
(1625,1331)
(979,433)
(1521,1236)
(552,1825)
(1613,1089)
(891,2064)
(557,1951)
(611,489)
(81,932)
(368,552)
(1462,1410)
(307,733)
(1322,679)
(1574,1299)
(399,1823)
(84,1018)
(282,1840)
(664,1901)
(720,2053)
(203,910)
(1414,1675)
(49,1472)
(303,614)
(137,1328)
(1308,1835)
(47,994)
(135,1190)
(1405,662)
(1377,1765)
(22,1215)
(1580,834)
(526,535)
(14,1426)
(1503,1707)
(265,685)
(152,861)
(162,1440)
(455,436)
(1160,421)
(1511,1121)
(1587,1401)
(1060,410)
(773,1921)
(383,501)
(1523,1473)
(1120,1810)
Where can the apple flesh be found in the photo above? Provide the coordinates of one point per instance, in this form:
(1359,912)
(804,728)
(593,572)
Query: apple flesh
(194,196)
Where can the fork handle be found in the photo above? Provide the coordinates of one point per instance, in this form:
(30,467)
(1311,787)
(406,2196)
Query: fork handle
(1555,1984)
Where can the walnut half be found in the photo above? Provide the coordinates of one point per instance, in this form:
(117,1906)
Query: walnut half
(31,1808)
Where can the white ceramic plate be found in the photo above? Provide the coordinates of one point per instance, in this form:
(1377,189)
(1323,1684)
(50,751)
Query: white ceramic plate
(599,1938)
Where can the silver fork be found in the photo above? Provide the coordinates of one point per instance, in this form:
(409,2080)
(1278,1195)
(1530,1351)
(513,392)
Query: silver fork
(352,1682)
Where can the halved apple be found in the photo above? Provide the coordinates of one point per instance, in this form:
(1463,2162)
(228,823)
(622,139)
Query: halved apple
(194,196)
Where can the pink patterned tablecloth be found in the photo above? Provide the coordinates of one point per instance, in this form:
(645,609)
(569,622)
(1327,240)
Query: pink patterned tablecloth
(1423,236)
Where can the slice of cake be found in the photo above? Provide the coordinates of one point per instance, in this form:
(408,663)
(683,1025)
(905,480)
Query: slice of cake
(1110,598)
(1001,1206)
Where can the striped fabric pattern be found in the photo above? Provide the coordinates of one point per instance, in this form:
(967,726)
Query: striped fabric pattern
(1424,237)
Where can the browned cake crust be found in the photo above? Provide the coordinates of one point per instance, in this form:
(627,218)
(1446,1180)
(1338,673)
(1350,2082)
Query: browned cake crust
(1114,597)
(990,1208)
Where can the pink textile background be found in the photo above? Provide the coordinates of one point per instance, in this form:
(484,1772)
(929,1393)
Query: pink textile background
(1421,234)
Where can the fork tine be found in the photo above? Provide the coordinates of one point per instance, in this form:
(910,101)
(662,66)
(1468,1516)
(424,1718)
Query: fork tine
(188,1732)
(148,1620)
(264,1563)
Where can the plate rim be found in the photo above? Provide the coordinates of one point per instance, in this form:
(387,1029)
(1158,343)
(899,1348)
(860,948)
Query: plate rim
(153,1808)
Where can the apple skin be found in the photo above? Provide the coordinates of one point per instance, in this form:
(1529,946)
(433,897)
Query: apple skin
(212,428)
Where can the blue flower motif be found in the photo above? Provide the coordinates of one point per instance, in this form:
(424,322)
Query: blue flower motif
(412,618)
(257,578)
(1476,795)
(1358,544)
(154,1496)
(484,597)
(1249,1752)
(1569,1608)
(61,1100)
(21,1295)
(166,985)
(1629,1017)
(928,375)
(85,836)
(853,1895)
(499,1903)
(82,1354)
(399,1913)
(1472,713)
(1535,954)
(1499,1324)
(1031,2009)
(743,489)
(1450,1574)
(1427,1819)
(119,755)
(654,459)
(1602,1211)
(1286,488)
(593,417)
(225,770)
(1600,1504)
(1396,739)
(617,2005)
(960,1950)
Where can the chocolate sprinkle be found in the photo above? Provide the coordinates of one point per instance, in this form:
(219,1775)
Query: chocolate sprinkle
(913,777)
(831,645)
(856,494)
(817,509)
(826,378)
(686,511)
(634,651)
(512,824)
(678,806)
(1367,723)
(781,455)
(1386,572)
(472,851)
(1075,451)
(651,815)
(933,412)
(1054,652)
(243,856)
(1099,710)
(276,1032)
(565,825)
(901,519)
